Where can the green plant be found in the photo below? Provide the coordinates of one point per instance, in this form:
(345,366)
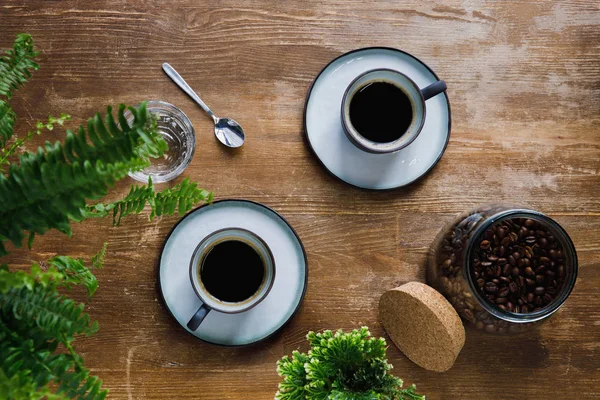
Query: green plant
(61,183)
(37,328)
(341,366)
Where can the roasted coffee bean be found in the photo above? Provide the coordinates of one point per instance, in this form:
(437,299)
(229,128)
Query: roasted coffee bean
(539,279)
(486,264)
(515,272)
(501,233)
(538,301)
(528,271)
(505,279)
(469,316)
(512,287)
(501,300)
(547,298)
(539,269)
(539,290)
(529,223)
(529,282)
(484,245)
(530,298)
(503,292)
(491,287)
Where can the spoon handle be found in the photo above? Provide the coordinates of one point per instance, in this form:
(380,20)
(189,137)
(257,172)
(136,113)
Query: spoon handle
(179,81)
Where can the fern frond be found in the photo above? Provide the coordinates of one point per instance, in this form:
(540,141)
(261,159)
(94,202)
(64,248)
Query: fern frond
(74,272)
(23,386)
(16,65)
(98,258)
(19,279)
(29,367)
(7,123)
(180,198)
(39,128)
(45,308)
(49,188)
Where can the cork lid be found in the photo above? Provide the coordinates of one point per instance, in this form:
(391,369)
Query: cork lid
(423,325)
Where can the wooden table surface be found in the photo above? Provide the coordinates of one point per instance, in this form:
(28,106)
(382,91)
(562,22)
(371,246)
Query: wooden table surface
(524,85)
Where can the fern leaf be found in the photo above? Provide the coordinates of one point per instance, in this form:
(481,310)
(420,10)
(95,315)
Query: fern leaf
(48,310)
(98,258)
(29,367)
(39,128)
(180,198)
(19,279)
(16,65)
(74,272)
(24,386)
(49,188)
(7,123)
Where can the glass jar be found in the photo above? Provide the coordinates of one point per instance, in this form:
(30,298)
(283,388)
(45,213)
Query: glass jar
(504,268)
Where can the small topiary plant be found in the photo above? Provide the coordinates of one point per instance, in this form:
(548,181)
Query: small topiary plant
(341,366)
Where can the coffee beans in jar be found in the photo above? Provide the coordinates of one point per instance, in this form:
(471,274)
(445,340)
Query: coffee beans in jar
(504,268)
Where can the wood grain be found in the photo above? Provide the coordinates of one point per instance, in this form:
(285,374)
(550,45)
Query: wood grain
(525,94)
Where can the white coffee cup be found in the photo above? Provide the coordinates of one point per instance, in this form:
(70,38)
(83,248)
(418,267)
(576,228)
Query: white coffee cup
(210,302)
(416,96)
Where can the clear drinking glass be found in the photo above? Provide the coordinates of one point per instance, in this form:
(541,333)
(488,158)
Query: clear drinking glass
(177,130)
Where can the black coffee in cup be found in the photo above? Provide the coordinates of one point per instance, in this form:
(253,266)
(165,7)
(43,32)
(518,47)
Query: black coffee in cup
(381,112)
(232,271)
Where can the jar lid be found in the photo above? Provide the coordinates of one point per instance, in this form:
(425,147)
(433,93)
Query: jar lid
(423,325)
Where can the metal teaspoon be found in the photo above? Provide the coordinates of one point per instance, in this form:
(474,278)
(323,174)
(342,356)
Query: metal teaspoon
(229,132)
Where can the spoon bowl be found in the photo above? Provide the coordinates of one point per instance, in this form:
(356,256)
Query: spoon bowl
(227,131)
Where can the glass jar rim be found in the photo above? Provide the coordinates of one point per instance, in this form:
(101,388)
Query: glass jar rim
(570,256)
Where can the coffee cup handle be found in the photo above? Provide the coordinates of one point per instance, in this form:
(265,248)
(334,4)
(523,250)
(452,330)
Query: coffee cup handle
(198,317)
(433,90)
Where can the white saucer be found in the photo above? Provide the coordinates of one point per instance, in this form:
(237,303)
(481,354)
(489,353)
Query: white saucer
(323,126)
(267,317)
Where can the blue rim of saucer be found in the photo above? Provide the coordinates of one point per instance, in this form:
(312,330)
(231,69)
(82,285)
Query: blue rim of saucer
(305,284)
(310,88)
